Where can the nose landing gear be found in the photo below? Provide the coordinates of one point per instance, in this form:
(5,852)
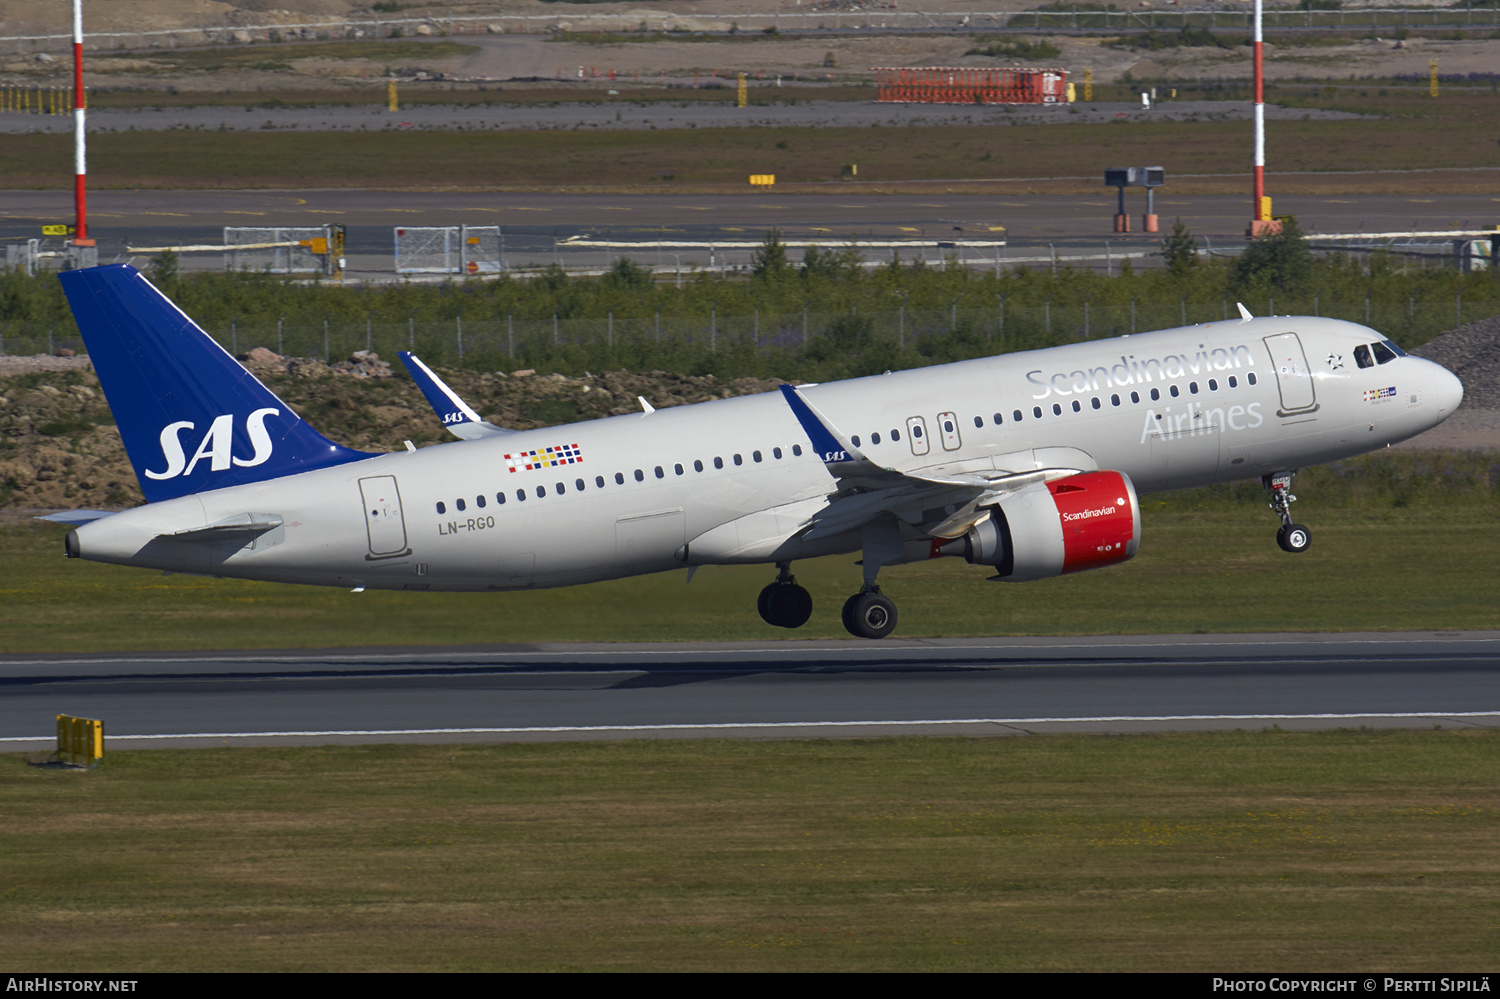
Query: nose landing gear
(1294,538)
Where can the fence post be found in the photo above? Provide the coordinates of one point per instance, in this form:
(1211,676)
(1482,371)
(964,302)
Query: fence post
(554,329)
(326,356)
(510,334)
(459,320)
(279,320)
(611,332)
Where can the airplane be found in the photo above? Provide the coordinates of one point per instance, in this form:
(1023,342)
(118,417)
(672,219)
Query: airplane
(1028,463)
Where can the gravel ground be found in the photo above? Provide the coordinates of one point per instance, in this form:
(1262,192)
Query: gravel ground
(629,115)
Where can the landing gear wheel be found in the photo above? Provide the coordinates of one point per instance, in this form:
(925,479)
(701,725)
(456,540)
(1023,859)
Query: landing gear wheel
(1293,538)
(869,615)
(784,605)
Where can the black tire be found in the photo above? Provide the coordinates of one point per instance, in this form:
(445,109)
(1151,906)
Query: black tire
(789,605)
(1294,538)
(870,615)
(763,603)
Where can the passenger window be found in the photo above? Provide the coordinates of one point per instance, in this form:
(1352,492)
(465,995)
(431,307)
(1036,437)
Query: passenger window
(677,468)
(619,478)
(1155,395)
(1114,400)
(895,435)
(756,454)
(875,438)
(1250,378)
(1193,387)
(640,476)
(500,498)
(797,449)
(461,506)
(541,491)
(1077,408)
(1016,416)
(560,489)
(738,460)
(659,473)
(599,481)
(718,462)
(1036,411)
(578,484)
(998,419)
(442,507)
(1233,382)
(1135,397)
(854,440)
(1094,402)
(521,495)
(1213,385)
(1173,390)
(776,452)
(697,465)
(479,502)
(979,421)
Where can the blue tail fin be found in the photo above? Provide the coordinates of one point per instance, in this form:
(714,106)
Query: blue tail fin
(192,418)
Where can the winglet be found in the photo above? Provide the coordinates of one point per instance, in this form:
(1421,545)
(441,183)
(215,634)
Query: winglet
(840,456)
(458,416)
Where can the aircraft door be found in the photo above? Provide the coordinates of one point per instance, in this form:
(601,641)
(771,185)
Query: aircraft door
(1293,376)
(916,433)
(948,424)
(383,520)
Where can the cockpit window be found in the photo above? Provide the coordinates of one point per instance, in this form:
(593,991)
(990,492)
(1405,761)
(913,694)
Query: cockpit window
(1383,354)
(1362,356)
(1394,348)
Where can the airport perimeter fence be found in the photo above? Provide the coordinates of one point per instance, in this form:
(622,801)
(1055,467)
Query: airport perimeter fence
(807,19)
(509,342)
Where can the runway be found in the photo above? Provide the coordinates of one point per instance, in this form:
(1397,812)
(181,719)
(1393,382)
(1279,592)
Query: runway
(986,687)
(536,228)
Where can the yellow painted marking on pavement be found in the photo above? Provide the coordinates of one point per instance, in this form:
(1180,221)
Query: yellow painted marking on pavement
(907,228)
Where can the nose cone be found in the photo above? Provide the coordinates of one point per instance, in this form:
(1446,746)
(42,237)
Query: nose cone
(1447,391)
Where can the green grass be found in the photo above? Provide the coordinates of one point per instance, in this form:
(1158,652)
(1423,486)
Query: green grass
(1405,138)
(1226,852)
(1206,564)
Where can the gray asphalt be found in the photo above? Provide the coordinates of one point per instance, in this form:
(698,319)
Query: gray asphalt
(771,690)
(1034,226)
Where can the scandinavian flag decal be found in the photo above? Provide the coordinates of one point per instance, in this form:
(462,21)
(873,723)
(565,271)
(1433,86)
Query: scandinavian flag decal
(546,457)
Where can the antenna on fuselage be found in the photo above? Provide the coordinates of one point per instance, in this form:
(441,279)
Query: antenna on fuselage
(1244,312)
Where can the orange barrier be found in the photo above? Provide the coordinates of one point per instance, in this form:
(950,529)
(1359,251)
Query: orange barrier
(969,85)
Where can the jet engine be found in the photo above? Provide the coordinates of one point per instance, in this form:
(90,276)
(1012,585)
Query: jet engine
(1084,521)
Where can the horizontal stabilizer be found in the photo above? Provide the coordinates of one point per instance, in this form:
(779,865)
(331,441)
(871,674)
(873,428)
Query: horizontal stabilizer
(76,517)
(247,526)
(458,417)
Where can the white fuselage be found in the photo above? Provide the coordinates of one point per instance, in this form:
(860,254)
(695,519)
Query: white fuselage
(736,480)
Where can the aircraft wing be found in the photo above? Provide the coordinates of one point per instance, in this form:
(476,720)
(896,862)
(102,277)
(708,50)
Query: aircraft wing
(866,491)
(458,416)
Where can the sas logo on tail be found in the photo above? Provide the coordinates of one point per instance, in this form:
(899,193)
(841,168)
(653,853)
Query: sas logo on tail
(214,446)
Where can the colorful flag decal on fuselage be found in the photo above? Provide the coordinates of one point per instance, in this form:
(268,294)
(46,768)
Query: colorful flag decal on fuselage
(545,457)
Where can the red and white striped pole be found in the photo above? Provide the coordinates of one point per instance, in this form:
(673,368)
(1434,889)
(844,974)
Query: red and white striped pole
(1261,222)
(81,229)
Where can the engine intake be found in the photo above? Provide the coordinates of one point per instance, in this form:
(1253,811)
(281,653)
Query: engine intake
(1084,521)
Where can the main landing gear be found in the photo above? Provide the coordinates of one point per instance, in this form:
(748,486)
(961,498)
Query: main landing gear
(784,604)
(1294,538)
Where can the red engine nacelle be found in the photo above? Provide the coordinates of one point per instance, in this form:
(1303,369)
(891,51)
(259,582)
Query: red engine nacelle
(1084,521)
